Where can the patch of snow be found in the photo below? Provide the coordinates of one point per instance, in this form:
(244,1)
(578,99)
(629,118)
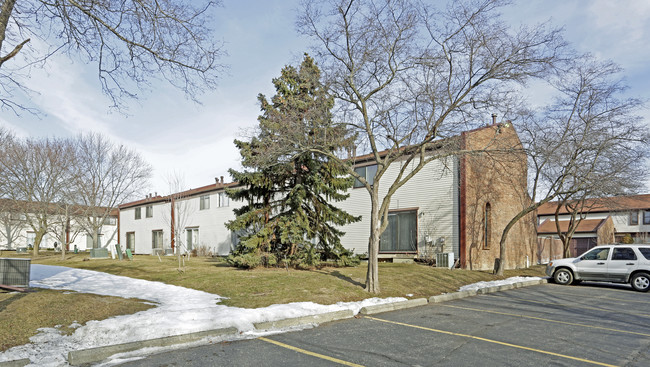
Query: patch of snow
(494,283)
(179,311)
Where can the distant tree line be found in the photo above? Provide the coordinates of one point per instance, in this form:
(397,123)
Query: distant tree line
(46,182)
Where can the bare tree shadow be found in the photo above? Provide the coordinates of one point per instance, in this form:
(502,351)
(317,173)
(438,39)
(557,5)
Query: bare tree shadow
(343,277)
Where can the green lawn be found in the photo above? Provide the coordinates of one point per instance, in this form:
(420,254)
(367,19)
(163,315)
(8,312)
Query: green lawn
(263,287)
(21,315)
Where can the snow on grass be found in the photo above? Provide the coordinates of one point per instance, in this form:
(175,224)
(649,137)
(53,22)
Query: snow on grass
(495,283)
(179,311)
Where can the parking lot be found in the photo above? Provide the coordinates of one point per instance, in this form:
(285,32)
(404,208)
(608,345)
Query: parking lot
(589,324)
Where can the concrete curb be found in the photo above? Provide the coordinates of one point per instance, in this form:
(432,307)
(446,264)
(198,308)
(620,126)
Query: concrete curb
(16,363)
(451,296)
(499,288)
(86,356)
(303,320)
(369,310)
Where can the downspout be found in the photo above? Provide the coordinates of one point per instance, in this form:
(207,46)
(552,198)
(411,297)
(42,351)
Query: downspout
(173,232)
(67,234)
(119,214)
(462,210)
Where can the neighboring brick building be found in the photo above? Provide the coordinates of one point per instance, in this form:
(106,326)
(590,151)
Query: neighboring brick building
(605,220)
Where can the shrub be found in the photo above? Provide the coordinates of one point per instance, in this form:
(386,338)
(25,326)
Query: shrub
(202,251)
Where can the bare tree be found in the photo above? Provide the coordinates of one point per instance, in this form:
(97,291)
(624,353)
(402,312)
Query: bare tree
(131,42)
(65,226)
(12,222)
(181,209)
(588,143)
(105,175)
(406,75)
(36,173)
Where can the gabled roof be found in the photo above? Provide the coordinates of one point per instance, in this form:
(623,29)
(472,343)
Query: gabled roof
(22,206)
(357,160)
(585,226)
(183,194)
(599,205)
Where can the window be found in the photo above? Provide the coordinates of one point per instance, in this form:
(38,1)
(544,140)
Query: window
(205,202)
(623,253)
(89,241)
(110,221)
(645,251)
(487,226)
(368,173)
(634,218)
(596,254)
(130,241)
(224,200)
(138,213)
(157,239)
(192,238)
(401,233)
(149,212)
(646,217)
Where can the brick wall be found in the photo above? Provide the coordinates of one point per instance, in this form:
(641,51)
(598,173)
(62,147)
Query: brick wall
(493,175)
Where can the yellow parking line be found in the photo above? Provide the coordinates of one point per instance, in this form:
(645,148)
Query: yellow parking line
(299,350)
(610,298)
(494,341)
(600,289)
(580,306)
(547,320)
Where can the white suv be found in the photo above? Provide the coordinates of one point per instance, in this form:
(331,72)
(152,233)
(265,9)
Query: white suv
(609,263)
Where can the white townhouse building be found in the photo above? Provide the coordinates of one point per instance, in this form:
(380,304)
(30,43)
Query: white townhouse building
(15,232)
(457,205)
(146,226)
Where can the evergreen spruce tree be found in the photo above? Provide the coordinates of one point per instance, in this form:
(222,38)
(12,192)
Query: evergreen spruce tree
(288,183)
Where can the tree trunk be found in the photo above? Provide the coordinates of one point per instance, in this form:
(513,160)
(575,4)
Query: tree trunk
(372,275)
(502,243)
(5,13)
(567,249)
(37,241)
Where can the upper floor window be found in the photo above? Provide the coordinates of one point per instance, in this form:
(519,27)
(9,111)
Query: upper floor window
(138,213)
(224,200)
(646,217)
(368,173)
(110,221)
(149,212)
(205,202)
(634,218)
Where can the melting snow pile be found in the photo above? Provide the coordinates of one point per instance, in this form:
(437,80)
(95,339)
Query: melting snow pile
(180,310)
(495,283)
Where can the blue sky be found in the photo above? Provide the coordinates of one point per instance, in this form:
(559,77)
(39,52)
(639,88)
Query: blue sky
(175,134)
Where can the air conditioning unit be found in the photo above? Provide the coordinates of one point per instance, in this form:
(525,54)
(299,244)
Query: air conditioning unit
(15,272)
(442,260)
(445,260)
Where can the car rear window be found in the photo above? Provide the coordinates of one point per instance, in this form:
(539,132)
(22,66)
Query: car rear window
(645,251)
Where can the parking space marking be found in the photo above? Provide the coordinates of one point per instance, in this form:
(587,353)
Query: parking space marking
(603,288)
(609,298)
(547,320)
(580,306)
(493,341)
(313,354)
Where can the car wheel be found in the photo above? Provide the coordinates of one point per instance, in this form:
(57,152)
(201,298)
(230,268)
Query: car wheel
(640,282)
(563,276)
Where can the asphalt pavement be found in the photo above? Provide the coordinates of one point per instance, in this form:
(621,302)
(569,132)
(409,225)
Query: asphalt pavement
(543,325)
